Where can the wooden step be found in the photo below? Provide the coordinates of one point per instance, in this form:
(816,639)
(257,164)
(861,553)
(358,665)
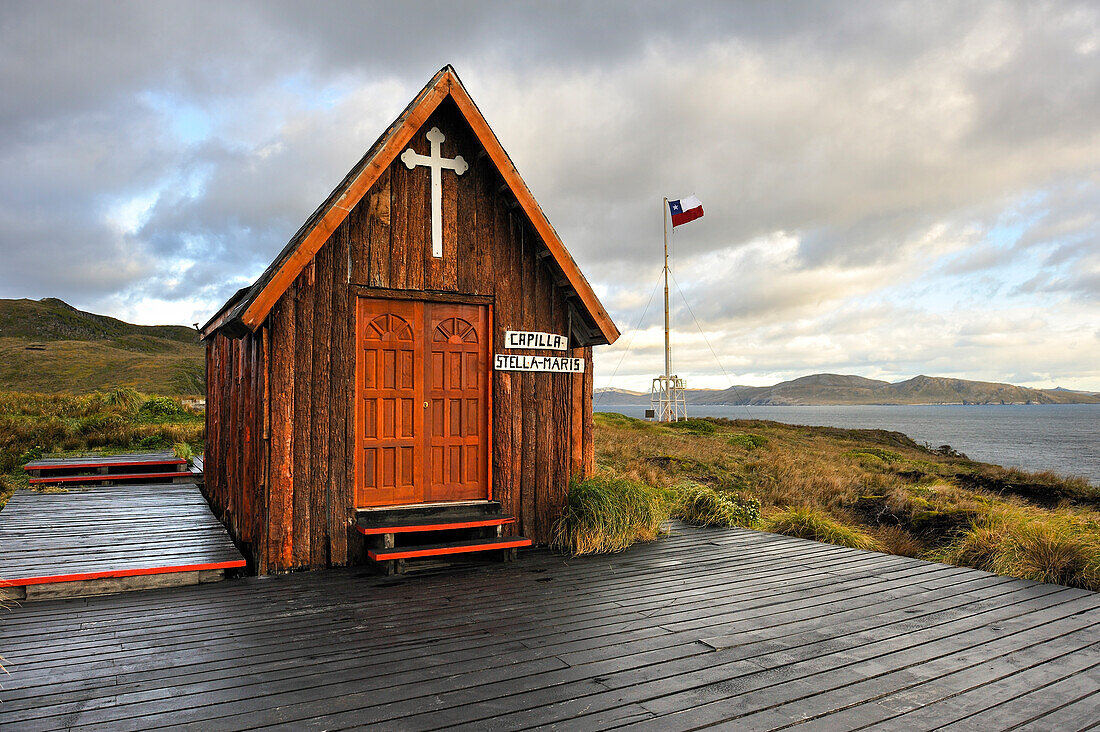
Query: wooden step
(74,463)
(150,466)
(120,573)
(456,547)
(428,513)
(94,463)
(98,477)
(420,523)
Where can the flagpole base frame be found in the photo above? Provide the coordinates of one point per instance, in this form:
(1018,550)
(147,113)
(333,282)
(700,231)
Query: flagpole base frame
(667,399)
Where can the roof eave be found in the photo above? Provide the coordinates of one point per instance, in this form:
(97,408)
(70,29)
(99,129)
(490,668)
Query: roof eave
(253,308)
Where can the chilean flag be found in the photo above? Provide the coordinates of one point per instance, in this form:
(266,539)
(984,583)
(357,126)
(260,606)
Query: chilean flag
(685,210)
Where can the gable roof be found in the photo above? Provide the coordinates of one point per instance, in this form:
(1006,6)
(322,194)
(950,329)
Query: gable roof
(250,307)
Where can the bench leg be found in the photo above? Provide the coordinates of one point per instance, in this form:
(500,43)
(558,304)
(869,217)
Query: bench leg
(387,566)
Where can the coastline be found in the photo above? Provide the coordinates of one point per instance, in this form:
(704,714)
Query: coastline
(1064,438)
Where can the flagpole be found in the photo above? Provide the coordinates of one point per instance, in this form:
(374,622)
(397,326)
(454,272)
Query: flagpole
(667,395)
(668,344)
(668,347)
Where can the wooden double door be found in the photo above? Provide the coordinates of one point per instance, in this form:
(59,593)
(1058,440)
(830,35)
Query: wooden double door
(422,402)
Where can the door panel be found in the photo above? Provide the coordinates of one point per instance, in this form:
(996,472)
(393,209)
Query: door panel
(458,355)
(422,402)
(390,417)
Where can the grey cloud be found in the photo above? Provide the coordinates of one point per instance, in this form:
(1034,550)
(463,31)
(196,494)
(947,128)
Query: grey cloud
(67,254)
(1083,284)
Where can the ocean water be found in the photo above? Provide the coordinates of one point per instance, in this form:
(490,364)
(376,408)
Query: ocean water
(1064,438)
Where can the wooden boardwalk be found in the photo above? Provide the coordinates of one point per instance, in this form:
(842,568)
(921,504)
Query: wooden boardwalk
(709,627)
(99,532)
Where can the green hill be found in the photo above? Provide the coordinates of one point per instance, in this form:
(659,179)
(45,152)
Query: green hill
(51,347)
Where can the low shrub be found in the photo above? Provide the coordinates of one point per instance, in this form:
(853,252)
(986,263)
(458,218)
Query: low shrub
(161,408)
(808,523)
(153,442)
(749,442)
(946,451)
(703,506)
(35,453)
(607,514)
(694,426)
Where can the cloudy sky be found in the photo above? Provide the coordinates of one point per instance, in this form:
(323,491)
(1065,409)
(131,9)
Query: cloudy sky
(890,188)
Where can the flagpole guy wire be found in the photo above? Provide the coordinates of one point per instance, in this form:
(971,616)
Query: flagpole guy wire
(706,340)
(630,342)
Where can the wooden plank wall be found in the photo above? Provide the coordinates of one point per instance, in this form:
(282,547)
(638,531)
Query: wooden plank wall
(234,459)
(312,424)
(542,423)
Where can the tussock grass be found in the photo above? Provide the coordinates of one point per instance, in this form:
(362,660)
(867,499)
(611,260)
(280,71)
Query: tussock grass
(749,442)
(1064,550)
(870,489)
(809,523)
(697,504)
(605,513)
(9,483)
(125,397)
(896,540)
(32,425)
(183,451)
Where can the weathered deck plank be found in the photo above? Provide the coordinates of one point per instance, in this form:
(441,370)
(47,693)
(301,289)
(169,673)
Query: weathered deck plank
(108,530)
(724,627)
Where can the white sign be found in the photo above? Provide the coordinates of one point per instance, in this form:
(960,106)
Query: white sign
(525,339)
(553,364)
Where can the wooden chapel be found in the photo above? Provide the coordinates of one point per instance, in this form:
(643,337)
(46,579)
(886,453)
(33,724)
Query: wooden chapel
(419,353)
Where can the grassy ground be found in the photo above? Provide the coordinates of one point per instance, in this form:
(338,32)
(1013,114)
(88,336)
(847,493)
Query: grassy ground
(123,420)
(870,489)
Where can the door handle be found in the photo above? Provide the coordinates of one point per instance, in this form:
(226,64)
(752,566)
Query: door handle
(425,405)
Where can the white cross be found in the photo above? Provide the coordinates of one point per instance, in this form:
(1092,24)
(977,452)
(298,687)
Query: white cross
(437,163)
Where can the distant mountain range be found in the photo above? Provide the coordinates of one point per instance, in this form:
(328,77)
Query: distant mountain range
(837,389)
(50,346)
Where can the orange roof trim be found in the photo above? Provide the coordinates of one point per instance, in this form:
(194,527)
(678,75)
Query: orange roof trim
(253,307)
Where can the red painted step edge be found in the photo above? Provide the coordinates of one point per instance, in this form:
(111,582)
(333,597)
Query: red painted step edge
(60,466)
(119,573)
(438,551)
(435,527)
(108,476)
